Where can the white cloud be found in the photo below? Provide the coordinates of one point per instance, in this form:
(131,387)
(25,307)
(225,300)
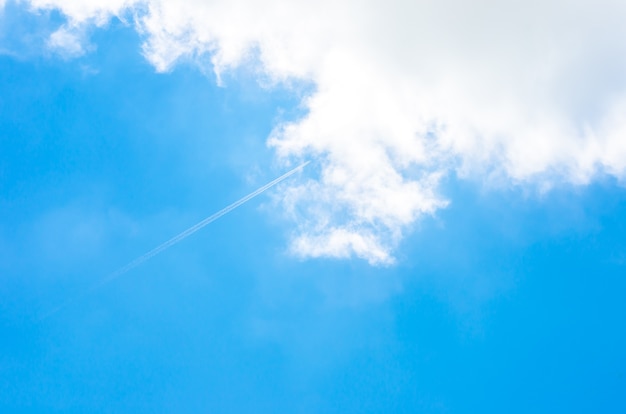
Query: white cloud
(97,12)
(531,91)
(66,42)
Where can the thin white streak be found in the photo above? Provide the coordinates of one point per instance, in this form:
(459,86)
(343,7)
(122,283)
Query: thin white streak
(176,239)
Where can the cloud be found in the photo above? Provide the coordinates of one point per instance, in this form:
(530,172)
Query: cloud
(70,39)
(66,42)
(405,92)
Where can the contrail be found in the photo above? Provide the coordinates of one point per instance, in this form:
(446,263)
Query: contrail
(191,230)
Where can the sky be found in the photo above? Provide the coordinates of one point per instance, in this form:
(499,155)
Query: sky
(457,243)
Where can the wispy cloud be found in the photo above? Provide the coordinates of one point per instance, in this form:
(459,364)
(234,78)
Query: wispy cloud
(405,91)
(66,42)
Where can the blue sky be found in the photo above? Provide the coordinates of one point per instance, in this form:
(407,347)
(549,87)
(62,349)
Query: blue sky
(508,299)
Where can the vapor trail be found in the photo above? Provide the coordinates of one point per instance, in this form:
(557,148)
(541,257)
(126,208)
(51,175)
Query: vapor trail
(148,255)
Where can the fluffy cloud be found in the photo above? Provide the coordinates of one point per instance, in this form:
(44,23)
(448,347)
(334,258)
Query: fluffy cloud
(405,91)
